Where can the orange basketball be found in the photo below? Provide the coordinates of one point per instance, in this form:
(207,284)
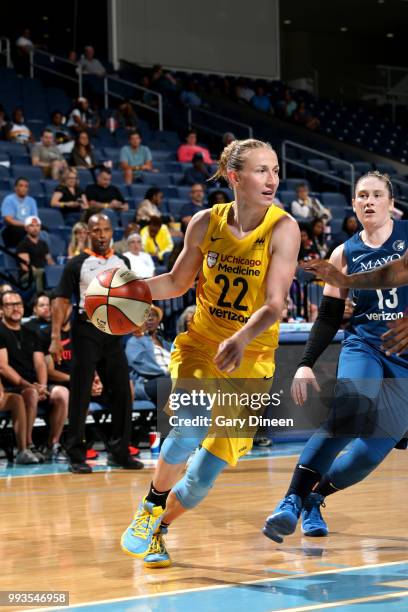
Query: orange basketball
(117,302)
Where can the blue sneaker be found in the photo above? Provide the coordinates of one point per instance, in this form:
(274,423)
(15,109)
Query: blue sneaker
(157,555)
(313,524)
(284,519)
(137,538)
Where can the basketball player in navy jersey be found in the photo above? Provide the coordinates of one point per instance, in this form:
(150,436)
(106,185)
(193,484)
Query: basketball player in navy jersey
(369,405)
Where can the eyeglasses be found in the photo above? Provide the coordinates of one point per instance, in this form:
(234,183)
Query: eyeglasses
(13,305)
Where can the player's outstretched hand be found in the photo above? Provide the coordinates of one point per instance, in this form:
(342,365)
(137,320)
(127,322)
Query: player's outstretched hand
(229,355)
(324,270)
(304,376)
(396,339)
(55,350)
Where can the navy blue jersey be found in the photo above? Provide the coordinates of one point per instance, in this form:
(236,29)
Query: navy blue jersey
(373,309)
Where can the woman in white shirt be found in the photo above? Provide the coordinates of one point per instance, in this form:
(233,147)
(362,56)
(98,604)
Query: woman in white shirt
(141,263)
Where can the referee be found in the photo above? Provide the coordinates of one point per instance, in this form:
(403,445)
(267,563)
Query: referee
(93,350)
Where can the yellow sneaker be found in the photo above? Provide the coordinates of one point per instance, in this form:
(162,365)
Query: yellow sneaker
(137,538)
(157,555)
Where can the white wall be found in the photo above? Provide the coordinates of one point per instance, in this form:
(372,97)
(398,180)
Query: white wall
(225,36)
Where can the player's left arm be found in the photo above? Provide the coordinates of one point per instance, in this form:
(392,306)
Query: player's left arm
(285,245)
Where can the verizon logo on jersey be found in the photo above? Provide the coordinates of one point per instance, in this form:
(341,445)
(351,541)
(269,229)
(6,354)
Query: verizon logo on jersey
(384,316)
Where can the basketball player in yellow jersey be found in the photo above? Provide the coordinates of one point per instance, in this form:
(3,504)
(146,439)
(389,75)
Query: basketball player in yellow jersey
(246,253)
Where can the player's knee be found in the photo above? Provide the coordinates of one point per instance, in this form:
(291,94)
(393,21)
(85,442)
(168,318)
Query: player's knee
(352,415)
(199,479)
(177,450)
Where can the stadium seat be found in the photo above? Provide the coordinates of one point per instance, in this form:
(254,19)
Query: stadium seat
(51,218)
(334,200)
(175,205)
(52,276)
(32,173)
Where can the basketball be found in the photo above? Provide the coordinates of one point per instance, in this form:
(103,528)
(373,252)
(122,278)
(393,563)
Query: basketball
(117,302)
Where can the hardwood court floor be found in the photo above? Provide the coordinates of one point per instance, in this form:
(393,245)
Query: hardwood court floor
(61,532)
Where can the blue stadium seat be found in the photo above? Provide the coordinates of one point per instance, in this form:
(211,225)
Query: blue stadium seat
(175,205)
(319,164)
(286,196)
(52,276)
(51,218)
(158,179)
(127,217)
(111,153)
(49,187)
(184,192)
(362,167)
(57,245)
(386,168)
(32,173)
(292,183)
(163,155)
(334,200)
(138,190)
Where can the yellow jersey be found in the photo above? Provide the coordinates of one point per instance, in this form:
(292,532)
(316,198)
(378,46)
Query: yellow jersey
(232,283)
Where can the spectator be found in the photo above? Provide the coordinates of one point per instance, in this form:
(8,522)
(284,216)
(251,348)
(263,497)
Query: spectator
(125,116)
(14,403)
(17,130)
(156,238)
(261,101)
(103,194)
(189,95)
(307,249)
(23,368)
(186,152)
(48,157)
(62,135)
(24,42)
(82,155)
(184,320)
(218,197)
(34,251)
(79,239)
(82,118)
(318,237)
(135,157)
(141,263)
(227,138)
(162,81)
(15,209)
(243,91)
(308,208)
(148,97)
(69,198)
(148,358)
(24,46)
(89,63)
(287,106)
(150,206)
(195,205)
(348,229)
(121,245)
(199,173)
(303,117)
(40,322)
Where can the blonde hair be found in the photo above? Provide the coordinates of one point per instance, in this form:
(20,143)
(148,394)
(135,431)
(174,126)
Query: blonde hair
(74,239)
(65,174)
(234,155)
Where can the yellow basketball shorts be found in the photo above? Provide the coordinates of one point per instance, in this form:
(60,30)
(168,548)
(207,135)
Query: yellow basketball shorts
(191,360)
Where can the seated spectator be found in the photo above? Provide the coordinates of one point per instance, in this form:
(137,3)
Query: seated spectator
(135,157)
(89,63)
(319,238)
(261,101)
(69,198)
(148,357)
(156,238)
(287,106)
(41,320)
(125,116)
(218,197)
(34,251)
(23,368)
(307,208)
(162,80)
(82,155)
(196,204)
(103,194)
(148,98)
(185,319)
(199,173)
(348,229)
(17,130)
(150,206)
(303,117)
(79,239)
(15,209)
(14,403)
(82,118)
(48,157)
(189,95)
(307,249)
(141,263)
(24,46)
(243,91)
(186,152)
(62,135)
(120,246)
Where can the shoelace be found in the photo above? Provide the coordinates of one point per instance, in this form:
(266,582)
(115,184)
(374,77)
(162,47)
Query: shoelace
(157,545)
(289,504)
(142,526)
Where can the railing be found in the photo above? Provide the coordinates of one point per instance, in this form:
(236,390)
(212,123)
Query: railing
(300,164)
(5,50)
(109,85)
(391,87)
(224,123)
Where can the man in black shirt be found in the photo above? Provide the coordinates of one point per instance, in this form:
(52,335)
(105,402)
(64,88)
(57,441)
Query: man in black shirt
(103,195)
(34,251)
(197,203)
(42,317)
(93,349)
(23,368)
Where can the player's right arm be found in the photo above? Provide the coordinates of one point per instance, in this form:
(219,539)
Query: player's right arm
(324,329)
(188,263)
(59,312)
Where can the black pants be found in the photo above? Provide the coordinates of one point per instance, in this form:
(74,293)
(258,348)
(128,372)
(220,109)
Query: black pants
(95,350)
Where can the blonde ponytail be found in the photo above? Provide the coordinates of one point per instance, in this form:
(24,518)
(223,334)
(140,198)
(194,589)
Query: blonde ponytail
(234,155)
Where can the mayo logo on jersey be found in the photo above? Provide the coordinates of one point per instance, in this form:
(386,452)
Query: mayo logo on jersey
(370,265)
(399,245)
(212,257)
